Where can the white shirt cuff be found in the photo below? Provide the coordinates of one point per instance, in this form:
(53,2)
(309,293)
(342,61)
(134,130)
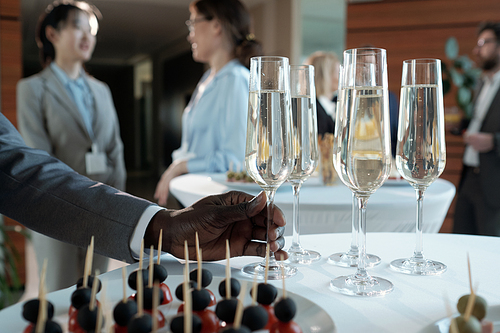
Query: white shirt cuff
(140,229)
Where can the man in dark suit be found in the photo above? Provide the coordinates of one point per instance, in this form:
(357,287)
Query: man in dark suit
(478,200)
(47,196)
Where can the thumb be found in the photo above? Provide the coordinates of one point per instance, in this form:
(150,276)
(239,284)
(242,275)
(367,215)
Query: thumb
(257,204)
(235,212)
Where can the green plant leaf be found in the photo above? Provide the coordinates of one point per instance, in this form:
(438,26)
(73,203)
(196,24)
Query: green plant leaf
(456,77)
(464,96)
(465,62)
(451,48)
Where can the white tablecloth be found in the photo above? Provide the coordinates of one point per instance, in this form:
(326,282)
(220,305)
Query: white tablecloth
(415,303)
(328,208)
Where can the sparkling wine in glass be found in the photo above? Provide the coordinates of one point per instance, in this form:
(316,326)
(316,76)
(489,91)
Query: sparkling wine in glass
(305,149)
(421,149)
(350,258)
(269,149)
(362,154)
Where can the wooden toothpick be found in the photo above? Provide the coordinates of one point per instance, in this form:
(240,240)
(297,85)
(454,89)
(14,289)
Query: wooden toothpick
(239,309)
(266,272)
(160,241)
(228,271)
(187,296)
(254,290)
(156,303)
(42,299)
(151,264)
(94,291)
(124,279)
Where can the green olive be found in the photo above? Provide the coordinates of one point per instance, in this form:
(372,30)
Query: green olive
(471,326)
(480,306)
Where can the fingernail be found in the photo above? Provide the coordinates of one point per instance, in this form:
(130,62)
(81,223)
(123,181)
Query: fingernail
(257,200)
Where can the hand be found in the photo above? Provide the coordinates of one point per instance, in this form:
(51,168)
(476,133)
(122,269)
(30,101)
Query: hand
(236,216)
(482,142)
(162,188)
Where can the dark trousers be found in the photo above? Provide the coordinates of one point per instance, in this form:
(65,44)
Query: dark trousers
(472,214)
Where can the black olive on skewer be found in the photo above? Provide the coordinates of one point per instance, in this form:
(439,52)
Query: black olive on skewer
(50,327)
(206,277)
(90,283)
(285,309)
(159,273)
(123,312)
(178,290)
(235,288)
(132,278)
(30,310)
(226,309)
(255,317)
(266,293)
(201,299)
(177,324)
(140,324)
(81,297)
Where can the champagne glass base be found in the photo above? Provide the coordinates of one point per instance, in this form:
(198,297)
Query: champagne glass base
(303,256)
(275,271)
(418,267)
(355,286)
(344,259)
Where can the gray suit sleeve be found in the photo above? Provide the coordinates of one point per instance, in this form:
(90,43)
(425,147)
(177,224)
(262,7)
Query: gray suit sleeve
(47,196)
(30,118)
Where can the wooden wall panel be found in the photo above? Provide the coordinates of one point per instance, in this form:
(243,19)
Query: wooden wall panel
(10,73)
(386,15)
(416,29)
(11,62)
(10,8)
(408,44)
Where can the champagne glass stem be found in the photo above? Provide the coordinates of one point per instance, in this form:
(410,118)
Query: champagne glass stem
(270,220)
(355,227)
(361,272)
(296,228)
(418,255)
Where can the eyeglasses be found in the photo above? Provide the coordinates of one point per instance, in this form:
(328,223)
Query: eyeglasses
(190,23)
(482,42)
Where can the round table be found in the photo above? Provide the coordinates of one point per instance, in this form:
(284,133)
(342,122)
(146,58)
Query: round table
(328,208)
(415,303)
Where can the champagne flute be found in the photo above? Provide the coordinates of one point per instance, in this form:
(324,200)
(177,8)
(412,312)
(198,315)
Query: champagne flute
(268,154)
(350,258)
(421,149)
(362,154)
(305,149)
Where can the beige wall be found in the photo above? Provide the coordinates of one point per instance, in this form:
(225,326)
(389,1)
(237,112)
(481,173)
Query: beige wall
(277,27)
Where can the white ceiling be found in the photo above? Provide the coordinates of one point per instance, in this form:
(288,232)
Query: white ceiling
(128,27)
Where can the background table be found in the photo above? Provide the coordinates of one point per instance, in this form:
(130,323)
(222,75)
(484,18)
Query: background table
(415,303)
(328,208)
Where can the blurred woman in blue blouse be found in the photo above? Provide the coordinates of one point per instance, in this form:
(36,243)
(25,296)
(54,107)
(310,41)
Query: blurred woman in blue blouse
(214,121)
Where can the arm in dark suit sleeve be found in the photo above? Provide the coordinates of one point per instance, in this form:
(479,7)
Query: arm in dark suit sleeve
(47,196)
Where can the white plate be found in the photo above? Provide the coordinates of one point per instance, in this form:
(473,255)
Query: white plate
(239,185)
(310,317)
(443,325)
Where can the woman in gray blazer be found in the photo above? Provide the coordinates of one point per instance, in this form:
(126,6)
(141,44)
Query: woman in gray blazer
(71,115)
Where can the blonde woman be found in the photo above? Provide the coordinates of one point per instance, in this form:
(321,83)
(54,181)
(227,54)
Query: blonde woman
(326,70)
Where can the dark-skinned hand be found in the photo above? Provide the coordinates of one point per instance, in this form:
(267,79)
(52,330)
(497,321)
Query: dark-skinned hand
(236,216)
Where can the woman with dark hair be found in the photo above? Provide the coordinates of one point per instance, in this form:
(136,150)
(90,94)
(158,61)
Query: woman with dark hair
(214,121)
(71,115)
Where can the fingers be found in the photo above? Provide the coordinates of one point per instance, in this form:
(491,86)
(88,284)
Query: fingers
(161,194)
(259,233)
(253,248)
